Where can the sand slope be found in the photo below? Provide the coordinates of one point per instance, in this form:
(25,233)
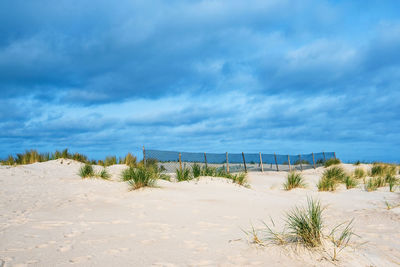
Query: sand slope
(49,216)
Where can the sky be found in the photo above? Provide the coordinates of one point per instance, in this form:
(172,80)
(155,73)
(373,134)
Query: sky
(107,77)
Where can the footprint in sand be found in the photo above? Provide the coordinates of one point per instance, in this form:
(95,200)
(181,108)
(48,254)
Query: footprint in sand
(64,248)
(116,251)
(42,246)
(80,259)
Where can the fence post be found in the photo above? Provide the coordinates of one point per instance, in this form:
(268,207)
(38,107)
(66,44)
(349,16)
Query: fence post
(313,159)
(227,163)
(244,162)
(301,164)
(205,159)
(334,154)
(276,163)
(262,166)
(288,158)
(180,161)
(324,156)
(144,157)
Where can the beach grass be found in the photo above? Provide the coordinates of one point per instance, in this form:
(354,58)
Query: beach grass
(305,224)
(392,181)
(360,173)
(138,177)
(350,182)
(331,162)
(294,180)
(103,174)
(196,170)
(331,178)
(183,174)
(86,171)
(129,160)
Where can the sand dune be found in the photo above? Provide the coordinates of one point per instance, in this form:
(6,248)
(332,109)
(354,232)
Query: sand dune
(49,216)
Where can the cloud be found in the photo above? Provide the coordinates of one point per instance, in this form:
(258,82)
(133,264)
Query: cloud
(200,75)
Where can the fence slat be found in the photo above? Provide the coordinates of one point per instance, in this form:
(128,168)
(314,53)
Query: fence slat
(262,166)
(227,163)
(180,161)
(244,162)
(288,159)
(313,159)
(276,163)
(301,164)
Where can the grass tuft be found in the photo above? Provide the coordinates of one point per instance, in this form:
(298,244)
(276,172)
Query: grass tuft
(140,177)
(350,182)
(305,224)
(196,169)
(294,180)
(342,240)
(331,162)
(86,171)
(103,174)
(130,160)
(360,173)
(183,175)
(331,178)
(392,181)
(381,169)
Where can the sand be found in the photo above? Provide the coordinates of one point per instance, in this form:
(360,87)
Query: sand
(49,216)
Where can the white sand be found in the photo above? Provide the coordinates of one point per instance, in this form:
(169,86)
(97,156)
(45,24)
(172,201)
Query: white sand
(49,216)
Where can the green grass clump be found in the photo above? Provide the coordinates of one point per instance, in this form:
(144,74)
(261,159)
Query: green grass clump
(129,160)
(110,160)
(374,183)
(331,178)
(360,173)
(103,174)
(305,224)
(331,162)
(140,177)
(391,181)
(294,180)
(209,171)
(196,170)
(381,169)
(357,163)
(183,174)
(239,178)
(350,182)
(86,171)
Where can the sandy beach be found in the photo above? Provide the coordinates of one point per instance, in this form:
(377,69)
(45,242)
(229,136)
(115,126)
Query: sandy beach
(49,216)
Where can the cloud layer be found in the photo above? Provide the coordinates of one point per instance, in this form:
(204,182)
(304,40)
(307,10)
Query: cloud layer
(271,76)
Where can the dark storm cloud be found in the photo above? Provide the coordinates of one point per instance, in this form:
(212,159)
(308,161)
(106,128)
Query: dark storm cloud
(288,75)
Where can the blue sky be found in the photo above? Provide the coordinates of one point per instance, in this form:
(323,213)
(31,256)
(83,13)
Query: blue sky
(103,77)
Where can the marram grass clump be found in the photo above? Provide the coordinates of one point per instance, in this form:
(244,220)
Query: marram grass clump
(183,174)
(196,170)
(382,169)
(331,178)
(294,180)
(86,171)
(138,177)
(331,162)
(360,173)
(103,174)
(350,182)
(305,225)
